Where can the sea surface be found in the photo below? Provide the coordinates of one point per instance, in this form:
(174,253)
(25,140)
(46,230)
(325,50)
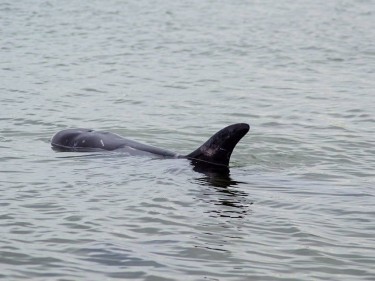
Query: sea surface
(299,203)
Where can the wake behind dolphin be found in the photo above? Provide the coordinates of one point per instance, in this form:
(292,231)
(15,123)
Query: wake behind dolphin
(215,152)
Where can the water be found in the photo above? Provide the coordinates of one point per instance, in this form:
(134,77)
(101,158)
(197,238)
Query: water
(299,203)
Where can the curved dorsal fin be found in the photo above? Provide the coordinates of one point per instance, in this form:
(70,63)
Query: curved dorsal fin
(218,149)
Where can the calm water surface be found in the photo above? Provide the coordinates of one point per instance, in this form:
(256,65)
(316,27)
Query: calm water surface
(299,202)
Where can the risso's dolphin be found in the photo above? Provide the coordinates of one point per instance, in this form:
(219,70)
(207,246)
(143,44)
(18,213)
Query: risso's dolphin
(213,154)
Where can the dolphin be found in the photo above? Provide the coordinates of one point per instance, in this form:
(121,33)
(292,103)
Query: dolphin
(214,154)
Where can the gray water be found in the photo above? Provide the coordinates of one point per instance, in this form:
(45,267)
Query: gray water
(299,202)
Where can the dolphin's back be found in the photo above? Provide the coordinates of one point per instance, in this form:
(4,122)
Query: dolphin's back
(216,151)
(89,140)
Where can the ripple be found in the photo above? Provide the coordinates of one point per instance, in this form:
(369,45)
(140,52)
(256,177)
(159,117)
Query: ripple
(298,203)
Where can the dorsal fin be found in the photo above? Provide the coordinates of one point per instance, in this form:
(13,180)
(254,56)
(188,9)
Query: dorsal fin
(218,149)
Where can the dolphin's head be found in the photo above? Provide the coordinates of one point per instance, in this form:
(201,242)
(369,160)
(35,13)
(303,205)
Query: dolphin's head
(67,139)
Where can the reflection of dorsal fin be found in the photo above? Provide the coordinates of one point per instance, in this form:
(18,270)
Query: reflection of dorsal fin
(218,149)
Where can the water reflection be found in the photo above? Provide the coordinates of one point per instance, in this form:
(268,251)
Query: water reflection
(224,192)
